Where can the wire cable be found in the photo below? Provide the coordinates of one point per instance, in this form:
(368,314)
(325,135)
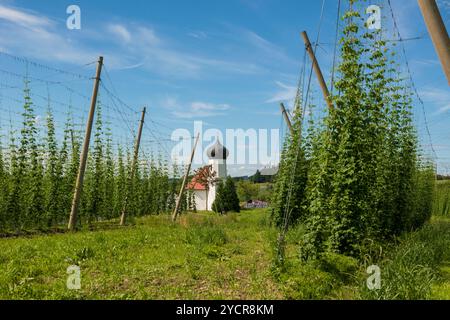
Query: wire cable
(413,85)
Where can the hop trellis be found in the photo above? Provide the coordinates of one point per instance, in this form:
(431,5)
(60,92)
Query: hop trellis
(364,176)
(42,127)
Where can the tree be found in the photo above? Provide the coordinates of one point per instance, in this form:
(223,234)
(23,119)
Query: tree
(257,177)
(207,177)
(247,191)
(226,197)
(231,198)
(219,204)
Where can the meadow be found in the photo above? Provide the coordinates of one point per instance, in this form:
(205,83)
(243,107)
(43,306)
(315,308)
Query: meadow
(207,256)
(442,198)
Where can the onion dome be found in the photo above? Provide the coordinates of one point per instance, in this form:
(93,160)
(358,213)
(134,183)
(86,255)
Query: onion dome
(217,151)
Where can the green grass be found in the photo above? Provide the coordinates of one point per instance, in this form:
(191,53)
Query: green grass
(200,257)
(414,269)
(204,256)
(442,198)
(441,289)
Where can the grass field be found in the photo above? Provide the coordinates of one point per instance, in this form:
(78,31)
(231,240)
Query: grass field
(206,257)
(442,198)
(200,257)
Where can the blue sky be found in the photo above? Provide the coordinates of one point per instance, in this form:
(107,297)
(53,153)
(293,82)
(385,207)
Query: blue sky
(227,63)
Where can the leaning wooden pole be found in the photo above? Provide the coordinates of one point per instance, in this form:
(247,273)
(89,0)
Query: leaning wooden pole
(438,33)
(286,118)
(133,167)
(183,185)
(317,70)
(85,151)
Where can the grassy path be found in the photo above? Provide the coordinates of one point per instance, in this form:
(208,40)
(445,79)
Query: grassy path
(202,257)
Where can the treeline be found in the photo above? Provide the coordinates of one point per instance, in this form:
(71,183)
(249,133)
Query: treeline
(38,173)
(358,177)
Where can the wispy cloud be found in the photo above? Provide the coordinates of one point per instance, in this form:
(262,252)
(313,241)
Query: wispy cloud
(195,109)
(23,18)
(120,31)
(202,110)
(285,93)
(131,46)
(445,5)
(406,18)
(426,62)
(40,37)
(268,52)
(437,97)
(198,34)
(162,55)
(444,109)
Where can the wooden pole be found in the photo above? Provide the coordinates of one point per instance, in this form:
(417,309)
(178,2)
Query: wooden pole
(133,166)
(286,118)
(438,33)
(317,70)
(84,153)
(183,185)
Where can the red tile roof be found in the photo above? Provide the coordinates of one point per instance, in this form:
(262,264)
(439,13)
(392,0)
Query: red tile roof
(193,185)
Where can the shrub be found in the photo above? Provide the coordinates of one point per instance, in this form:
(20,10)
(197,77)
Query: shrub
(306,282)
(226,197)
(409,271)
(206,235)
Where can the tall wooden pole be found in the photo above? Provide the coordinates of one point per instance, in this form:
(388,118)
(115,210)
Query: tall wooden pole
(183,185)
(133,166)
(84,153)
(438,32)
(286,118)
(317,70)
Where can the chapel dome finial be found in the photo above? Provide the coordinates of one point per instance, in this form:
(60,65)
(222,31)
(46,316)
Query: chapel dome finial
(217,151)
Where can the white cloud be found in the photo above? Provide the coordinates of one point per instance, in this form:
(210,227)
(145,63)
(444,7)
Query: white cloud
(198,34)
(201,106)
(161,56)
(147,36)
(170,103)
(426,62)
(120,31)
(132,46)
(25,19)
(444,5)
(285,93)
(444,108)
(200,110)
(268,53)
(38,37)
(438,97)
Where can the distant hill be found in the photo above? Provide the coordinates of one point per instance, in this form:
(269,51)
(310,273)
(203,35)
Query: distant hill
(261,176)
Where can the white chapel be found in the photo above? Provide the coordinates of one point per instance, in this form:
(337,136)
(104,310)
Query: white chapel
(205,195)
